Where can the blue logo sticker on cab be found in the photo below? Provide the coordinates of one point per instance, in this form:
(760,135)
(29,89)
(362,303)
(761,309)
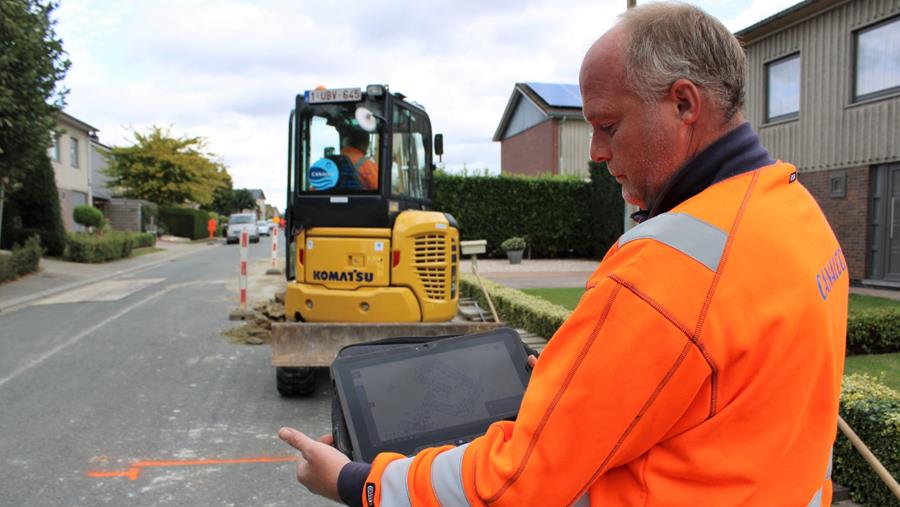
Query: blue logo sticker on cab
(323,174)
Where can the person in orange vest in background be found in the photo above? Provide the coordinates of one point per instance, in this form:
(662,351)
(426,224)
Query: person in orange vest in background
(211,227)
(703,363)
(355,146)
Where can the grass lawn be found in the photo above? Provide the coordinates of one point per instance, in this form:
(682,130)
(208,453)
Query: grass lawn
(145,250)
(567,298)
(884,366)
(858,301)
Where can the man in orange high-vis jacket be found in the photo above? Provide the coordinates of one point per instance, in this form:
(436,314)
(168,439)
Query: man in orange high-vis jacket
(356,143)
(703,364)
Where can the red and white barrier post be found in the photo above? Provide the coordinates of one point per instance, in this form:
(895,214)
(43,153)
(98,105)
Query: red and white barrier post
(273,270)
(242,313)
(245,245)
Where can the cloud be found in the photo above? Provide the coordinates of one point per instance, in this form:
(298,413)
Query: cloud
(229,69)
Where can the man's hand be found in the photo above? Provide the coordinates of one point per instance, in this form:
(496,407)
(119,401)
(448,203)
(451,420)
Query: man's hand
(532,361)
(320,463)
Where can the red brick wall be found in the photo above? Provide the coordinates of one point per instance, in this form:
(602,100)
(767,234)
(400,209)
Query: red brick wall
(533,151)
(848,216)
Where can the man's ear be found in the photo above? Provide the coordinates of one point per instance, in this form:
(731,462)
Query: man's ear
(687,98)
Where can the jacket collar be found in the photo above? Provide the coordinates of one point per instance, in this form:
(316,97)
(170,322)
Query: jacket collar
(737,152)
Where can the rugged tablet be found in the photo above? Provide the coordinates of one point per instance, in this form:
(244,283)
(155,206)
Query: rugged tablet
(409,397)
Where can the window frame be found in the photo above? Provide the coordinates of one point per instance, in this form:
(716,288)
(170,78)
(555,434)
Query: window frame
(855,97)
(74,152)
(766,68)
(55,151)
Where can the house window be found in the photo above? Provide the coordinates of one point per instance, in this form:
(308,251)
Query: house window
(838,185)
(53,150)
(783,88)
(73,151)
(877,58)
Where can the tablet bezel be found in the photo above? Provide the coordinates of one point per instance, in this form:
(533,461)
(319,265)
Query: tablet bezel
(364,448)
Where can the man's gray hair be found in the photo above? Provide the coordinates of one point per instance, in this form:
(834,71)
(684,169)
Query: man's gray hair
(669,41)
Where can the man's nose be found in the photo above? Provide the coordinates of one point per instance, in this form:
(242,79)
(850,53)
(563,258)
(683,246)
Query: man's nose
(599,148)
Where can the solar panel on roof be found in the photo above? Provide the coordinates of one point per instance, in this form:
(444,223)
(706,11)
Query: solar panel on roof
(558,95)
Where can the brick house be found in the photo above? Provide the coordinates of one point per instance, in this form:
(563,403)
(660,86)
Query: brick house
(824,94)
(543,131)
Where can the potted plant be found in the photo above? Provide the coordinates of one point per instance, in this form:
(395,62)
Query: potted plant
(514,247)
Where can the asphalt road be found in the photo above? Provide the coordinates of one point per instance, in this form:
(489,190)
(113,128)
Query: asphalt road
(141,401)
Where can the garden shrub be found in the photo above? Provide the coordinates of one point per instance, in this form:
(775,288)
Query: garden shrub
(23,259)
(142,239)
(88,216)
(873,411)
(93,248)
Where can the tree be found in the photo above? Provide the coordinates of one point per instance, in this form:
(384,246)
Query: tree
(32,62)
(33,208)
(228,201)
(243,199)
(167,170)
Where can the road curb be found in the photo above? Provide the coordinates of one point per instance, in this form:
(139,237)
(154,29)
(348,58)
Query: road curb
(6,306)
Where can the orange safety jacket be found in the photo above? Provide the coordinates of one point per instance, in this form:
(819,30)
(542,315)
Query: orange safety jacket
(367,168)
(701,366)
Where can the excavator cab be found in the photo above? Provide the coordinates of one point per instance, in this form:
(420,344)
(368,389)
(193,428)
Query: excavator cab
(364,243)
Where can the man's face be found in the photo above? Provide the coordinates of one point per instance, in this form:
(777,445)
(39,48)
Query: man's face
(640,142)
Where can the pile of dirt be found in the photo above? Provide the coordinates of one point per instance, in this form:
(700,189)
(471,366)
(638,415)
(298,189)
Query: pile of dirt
(257,330)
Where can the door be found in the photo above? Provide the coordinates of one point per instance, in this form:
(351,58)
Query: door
(885,226)
(892,243)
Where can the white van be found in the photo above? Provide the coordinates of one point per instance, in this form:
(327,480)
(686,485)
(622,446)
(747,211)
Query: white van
(239,222)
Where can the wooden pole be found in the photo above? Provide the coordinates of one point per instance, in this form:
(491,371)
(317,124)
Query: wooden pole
(632,3)
(483,290)
(870,458)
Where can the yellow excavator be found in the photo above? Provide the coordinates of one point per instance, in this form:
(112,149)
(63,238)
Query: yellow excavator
(368,257)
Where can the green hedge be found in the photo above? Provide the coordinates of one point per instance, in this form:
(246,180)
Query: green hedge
(873,411)
(23,259)
(559,216)
(184,222)
(517,309)
(82,247)
(873,331)
(142,239)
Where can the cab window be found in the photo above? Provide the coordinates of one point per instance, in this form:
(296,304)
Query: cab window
(339,155)
(410,173)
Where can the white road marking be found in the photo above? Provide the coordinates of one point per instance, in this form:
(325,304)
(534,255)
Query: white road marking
(110,290)
(75,339)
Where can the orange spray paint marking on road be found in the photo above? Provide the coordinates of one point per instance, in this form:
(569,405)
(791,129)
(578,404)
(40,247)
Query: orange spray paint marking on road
(135,471)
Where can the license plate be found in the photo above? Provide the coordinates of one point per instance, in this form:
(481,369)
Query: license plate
(333,95)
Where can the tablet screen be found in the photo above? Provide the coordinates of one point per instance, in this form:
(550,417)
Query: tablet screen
(431,394)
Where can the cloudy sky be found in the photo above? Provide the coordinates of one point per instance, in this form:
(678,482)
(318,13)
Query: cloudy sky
(228,70)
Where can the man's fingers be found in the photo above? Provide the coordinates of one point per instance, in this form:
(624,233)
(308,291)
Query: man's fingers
(327,439)
(294,438)
(532,361)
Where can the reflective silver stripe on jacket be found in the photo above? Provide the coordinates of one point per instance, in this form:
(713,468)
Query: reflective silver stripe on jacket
(446,478)
(817,498)
(394,492)
(691,236)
